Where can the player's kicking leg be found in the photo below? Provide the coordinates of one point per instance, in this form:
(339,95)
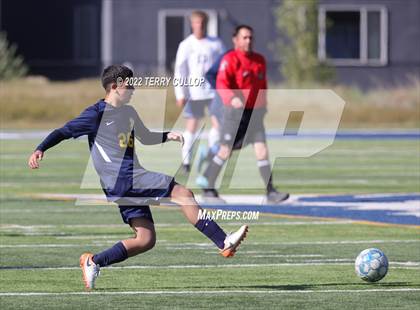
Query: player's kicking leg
(143,240)
(227,244)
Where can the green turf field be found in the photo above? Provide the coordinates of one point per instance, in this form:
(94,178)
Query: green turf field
(285,263)
(352,166)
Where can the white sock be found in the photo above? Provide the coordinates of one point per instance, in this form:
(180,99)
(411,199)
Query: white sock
(213,137)
(187,148)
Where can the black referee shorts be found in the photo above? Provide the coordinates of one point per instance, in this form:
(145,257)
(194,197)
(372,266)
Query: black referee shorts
(242,127)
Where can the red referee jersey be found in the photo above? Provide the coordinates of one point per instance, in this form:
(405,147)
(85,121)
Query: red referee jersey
(242,75)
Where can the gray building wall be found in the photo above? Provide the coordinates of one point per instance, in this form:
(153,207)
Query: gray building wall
(403,46)
(135,35)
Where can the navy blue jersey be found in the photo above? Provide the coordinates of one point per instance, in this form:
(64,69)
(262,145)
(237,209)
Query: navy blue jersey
(111,134)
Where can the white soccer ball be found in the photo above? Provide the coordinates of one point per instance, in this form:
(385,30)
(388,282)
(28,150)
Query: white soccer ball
(371,265)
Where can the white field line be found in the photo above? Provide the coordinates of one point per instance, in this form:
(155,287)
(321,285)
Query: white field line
(92,199)
(250,253)
(29,227)
(411,265)
(343,242)
(192,246)
(216,292)
(54,234)
(180,266)
(280,223)
(38,230)
(64,245)
(198,246)
(93,238)
(324,260)
(272,254)
(56,210)
(284,255)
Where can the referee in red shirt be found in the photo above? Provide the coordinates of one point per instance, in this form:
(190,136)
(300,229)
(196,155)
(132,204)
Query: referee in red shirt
(242,73)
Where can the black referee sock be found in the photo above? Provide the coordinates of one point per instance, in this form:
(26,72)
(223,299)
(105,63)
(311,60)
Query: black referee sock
(213,170)
(265,171)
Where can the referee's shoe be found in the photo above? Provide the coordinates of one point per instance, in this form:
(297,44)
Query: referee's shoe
(275,197)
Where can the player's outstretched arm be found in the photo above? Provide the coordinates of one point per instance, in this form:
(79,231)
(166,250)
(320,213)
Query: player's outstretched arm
(84,124)
(51,140)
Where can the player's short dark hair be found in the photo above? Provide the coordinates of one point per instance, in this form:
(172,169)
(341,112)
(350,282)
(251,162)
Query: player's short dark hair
(238,28)
(112,73)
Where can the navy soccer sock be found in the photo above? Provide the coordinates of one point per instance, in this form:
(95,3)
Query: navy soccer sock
(212,231)
(117,253)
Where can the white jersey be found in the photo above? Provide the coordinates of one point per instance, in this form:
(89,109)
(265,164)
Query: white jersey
(193,59)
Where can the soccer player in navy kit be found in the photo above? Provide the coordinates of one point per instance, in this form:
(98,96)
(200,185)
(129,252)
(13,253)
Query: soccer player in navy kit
(112,126)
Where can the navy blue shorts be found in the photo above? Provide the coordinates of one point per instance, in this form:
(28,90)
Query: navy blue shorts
(130,212)
(129,209)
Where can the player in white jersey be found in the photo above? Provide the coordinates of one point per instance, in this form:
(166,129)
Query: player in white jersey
(195,55)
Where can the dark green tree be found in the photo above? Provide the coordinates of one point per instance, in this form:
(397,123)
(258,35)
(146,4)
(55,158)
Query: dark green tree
(11,65)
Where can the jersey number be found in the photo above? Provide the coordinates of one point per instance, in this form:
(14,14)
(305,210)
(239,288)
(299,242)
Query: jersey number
(125,140)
